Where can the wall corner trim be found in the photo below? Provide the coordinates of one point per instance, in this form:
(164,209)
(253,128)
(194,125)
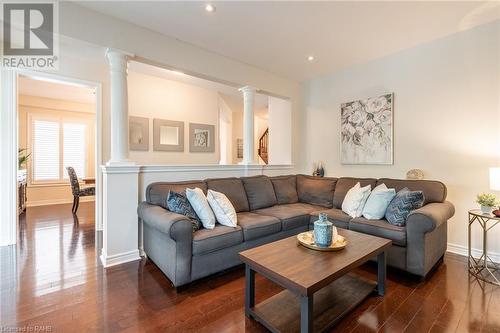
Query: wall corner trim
(120,258)
(463,251)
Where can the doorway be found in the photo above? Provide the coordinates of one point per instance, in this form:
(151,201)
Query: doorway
(57,125)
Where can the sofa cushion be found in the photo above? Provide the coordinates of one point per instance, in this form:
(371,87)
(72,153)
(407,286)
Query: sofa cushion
(233,189)
(179,204)
(200,204)
(285,188)
(344,184)
(380,228)
(355,200)
(309,208)
(434,191)
(256,225)
(402,205)
(223,209)
(377,203)
(260,192)
(316,190)
(220,237)
(157,193)
(291,215)
(335,215)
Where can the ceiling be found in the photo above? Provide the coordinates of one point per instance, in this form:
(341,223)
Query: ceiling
(55,90)
(278,36)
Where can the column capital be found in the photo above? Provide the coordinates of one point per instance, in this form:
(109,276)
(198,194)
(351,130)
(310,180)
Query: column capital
(118,60)
(248,89)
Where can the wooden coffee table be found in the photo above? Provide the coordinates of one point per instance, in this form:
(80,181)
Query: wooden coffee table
(319,288)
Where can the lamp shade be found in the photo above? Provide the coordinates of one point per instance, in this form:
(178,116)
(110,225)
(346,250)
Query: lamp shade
(495,179)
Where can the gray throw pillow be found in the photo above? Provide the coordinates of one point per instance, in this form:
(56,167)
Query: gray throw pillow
(179,204)
(401,206)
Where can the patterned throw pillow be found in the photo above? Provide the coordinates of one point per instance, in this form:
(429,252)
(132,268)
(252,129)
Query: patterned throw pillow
(179,204)
(401,206)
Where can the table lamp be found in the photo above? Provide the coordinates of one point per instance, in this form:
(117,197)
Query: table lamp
(495,184)
(495,179)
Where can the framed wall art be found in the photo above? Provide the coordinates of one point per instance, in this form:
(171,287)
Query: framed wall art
(168,135)
(138,133)
(201,138)
(367,131)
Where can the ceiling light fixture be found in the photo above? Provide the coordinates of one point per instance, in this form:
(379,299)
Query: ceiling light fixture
(310,58)
(210,8)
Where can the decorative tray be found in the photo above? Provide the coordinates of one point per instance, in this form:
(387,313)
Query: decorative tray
(307,239)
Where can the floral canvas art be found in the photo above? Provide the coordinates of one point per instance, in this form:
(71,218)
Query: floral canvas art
(366,131)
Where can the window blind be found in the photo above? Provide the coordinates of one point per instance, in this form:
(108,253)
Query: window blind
(74,150)
(56,145)
(46,150)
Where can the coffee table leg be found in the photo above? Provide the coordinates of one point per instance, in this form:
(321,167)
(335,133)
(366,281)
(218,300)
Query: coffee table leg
(306,314)
(381,274)
(249,289)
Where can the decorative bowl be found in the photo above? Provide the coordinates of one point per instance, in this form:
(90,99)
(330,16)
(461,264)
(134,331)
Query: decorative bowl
(307,239)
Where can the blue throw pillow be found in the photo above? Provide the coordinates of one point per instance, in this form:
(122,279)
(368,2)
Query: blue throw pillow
(401,206)
(378,201)
(179,204)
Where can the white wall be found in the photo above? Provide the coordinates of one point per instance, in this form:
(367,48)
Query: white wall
(106,31)
(225,132)
(446,117)
(280,131)
(154,97)
(237,132)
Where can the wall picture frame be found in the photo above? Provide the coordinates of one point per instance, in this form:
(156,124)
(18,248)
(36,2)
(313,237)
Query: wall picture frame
(239,148)
(168,135)
(366,131)
(138,133)
(201,138)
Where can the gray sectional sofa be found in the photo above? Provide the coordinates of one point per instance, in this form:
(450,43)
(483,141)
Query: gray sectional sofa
(271,208)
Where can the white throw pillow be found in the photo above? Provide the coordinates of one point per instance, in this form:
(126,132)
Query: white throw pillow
(355,200)
(377,203)
(199,202)
(223,208)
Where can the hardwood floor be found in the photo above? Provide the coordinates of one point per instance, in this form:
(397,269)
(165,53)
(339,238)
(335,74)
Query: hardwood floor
(53,279)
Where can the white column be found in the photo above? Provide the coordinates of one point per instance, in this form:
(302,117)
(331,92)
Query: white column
(248,125)
(118,64)
(120,237)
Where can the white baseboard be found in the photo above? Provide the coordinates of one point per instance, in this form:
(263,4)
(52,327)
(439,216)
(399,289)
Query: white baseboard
(56,202)
(463,251)
(120,258)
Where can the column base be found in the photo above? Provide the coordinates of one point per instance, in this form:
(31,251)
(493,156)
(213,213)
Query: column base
(120,258)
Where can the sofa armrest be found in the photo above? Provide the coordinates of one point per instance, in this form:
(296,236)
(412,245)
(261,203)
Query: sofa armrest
(426,236)
(178,227)
(429,217)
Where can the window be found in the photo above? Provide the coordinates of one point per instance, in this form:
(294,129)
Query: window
(56,144)
(45,150)
(74,150)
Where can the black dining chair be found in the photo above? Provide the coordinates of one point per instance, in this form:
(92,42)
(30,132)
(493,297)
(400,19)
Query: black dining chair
(76,190)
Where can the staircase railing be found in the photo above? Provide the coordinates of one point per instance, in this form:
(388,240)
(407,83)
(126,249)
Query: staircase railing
(263,146)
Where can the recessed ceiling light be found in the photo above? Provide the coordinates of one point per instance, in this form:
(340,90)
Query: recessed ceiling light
(310,58)
(209,8)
